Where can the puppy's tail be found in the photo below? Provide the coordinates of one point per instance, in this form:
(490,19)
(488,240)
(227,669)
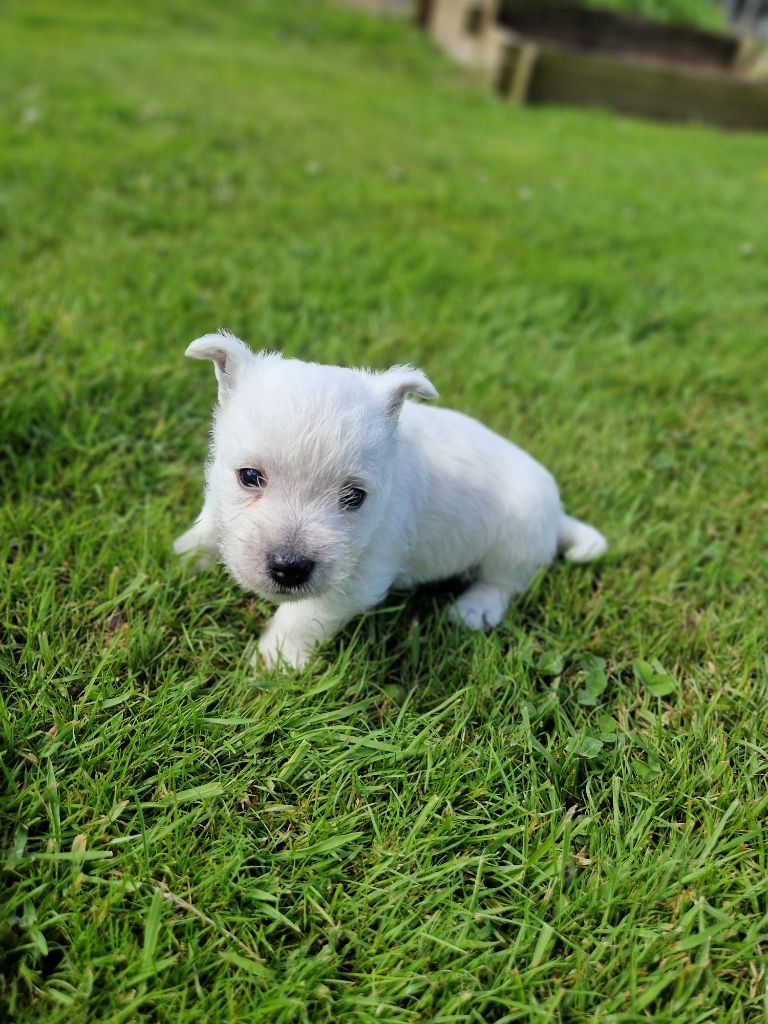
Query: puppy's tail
(578,541)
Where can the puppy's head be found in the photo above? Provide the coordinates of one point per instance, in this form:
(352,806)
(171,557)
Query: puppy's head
(301,466)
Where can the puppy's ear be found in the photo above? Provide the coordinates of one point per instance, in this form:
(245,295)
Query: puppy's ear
(394,384)
(228,354)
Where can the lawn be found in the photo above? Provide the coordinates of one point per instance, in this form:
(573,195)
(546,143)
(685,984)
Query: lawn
(561,821)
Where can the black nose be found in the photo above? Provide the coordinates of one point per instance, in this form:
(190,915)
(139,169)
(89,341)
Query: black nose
(289,570)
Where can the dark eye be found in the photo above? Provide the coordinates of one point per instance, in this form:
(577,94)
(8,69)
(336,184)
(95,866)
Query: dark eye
(351,497)
(251,478)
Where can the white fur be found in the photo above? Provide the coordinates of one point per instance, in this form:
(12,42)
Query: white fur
(445,495)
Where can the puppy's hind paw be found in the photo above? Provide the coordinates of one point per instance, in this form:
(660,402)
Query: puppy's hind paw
(579,541)
(482,606)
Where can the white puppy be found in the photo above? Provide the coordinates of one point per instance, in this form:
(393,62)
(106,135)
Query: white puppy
(325,487)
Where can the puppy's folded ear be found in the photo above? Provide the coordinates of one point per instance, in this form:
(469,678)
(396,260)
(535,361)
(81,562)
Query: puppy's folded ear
(397,382)
(228,354)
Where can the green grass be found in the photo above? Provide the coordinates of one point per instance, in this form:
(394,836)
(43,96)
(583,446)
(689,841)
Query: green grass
(426,825)
(703,13)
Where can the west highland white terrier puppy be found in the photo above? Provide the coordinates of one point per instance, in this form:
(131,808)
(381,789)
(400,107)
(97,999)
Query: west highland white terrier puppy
(325,487)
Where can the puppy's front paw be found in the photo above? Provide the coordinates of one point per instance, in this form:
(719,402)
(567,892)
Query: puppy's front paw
(480,607)
(194,546)
(274,650)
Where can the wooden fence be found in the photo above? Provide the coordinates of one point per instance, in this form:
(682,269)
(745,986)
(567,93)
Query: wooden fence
(551,51)
(540,73)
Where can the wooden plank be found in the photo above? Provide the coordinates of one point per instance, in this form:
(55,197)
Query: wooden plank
(522,73)
(649,90)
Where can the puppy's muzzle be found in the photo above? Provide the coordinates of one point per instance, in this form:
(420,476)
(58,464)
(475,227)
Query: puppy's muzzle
(288,570)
